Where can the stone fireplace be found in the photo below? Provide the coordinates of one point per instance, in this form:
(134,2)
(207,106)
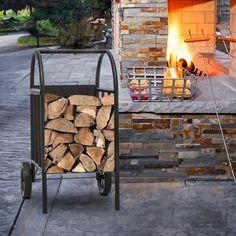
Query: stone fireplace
(142,28)
(178,138)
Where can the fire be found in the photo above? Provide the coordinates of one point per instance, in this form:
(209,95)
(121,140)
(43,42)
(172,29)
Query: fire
(177,48)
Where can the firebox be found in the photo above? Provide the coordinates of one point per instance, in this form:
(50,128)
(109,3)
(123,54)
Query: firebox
(156,32)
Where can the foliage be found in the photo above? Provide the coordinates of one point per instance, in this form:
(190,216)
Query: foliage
(12,4)
(31,41)
(22,15)
(76,34)
(44,27)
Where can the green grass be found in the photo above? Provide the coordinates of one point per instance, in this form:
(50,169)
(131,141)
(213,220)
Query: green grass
(31,41)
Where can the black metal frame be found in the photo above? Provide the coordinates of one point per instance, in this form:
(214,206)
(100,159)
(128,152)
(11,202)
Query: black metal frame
(37,98)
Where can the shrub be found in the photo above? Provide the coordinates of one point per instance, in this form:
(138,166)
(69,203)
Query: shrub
(44,27)
(76,34)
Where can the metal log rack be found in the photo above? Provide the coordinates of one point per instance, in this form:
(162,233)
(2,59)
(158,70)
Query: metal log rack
(37,98)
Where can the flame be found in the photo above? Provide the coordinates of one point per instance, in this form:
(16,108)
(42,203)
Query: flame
(177,48)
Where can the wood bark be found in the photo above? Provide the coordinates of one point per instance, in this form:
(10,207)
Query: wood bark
(76,149)
(84,100)
(84,120)
(109,135)
(69,112)
(96,154)
(58,153)
(89,110)
(84,137)
(45,112)
(67,162)
(103,116)
(107,100)
(88,163)
(111,123)
(49,97)
(62,125)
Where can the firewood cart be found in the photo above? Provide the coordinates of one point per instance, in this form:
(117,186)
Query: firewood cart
(37,110)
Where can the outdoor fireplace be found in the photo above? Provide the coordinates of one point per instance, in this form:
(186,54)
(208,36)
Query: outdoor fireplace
(147,33)
(180,138)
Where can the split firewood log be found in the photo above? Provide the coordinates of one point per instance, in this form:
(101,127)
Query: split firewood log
(69,112)
(108,134)
(55,170)
(62,138)
(49,97)
(84,137)
(76,149)
(107,100)
(84,120)
(62,125)
(57,108)
(84,100)
(109,164)
(111,123)
(89,110)
(52,138)
(47,136)
(96,154)
(45,112)
(67,162)
(103,116)
(100,140)
(79,169)
(111,149)
(58,153)
(88,163)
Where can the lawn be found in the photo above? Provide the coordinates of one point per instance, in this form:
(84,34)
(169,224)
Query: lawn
(43,41)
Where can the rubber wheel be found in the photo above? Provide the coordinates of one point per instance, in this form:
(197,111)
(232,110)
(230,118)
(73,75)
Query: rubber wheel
(104,182)
(26,180)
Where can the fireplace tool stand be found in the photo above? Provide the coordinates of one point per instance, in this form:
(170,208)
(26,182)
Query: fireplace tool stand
(37,101)
(193,40)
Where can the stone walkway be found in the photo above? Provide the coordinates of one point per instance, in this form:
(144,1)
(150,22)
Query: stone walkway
(147,209)
(75,206)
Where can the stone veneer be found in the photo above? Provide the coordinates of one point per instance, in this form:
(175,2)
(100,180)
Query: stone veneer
(144,28)
(192,143)
(143,32)
(232,67)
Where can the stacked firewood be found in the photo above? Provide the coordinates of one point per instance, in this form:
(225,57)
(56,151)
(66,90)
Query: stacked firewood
(79,133)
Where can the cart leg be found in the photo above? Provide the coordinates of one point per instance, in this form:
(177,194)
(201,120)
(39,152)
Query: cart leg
(117,190)
(33,172)
(44,192)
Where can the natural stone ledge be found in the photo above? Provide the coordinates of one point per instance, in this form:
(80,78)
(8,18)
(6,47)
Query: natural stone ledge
(224,88)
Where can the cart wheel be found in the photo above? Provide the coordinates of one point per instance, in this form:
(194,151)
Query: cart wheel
(26,180)
(104,181)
